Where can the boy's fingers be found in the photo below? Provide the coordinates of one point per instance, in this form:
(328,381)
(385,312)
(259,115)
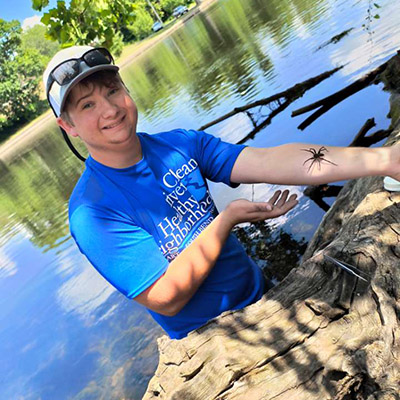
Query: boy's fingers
(278,211)
(275,196)
(277,205)
(289,205)
(283,198)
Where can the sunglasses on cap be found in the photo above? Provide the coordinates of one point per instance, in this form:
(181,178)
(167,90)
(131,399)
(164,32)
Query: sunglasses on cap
(66,71)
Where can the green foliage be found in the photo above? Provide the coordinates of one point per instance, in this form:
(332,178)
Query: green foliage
(86,22)
(141,27)
(39,4)
(169,5)
(34,38)
(20,71)
(10,33)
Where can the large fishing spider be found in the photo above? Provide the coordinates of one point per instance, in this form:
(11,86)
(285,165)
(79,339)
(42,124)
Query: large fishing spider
(317,156)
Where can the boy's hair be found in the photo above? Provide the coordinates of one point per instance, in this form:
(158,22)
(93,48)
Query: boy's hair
(101,78)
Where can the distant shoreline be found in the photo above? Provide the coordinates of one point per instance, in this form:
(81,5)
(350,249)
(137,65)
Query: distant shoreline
(21,138)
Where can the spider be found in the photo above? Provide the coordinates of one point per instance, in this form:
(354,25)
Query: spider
(317,156)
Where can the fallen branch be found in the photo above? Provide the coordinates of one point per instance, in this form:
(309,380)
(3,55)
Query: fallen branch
(361,140)
(335,39)
(317,193)
(265,123)
(290,94)
(329,102)
(319,334)
(369,124)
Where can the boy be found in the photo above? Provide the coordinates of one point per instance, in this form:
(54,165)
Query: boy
(142,213)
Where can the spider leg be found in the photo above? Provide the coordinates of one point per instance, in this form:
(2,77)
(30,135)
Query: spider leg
(330,162)
(312,159)
(309,159)
(310,150)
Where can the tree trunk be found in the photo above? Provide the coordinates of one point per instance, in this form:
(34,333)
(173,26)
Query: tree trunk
(321,333)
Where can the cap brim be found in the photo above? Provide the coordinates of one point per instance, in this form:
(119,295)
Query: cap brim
(69,87)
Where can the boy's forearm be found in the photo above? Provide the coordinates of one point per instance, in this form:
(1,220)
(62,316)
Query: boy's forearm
(191,267)
(307,164)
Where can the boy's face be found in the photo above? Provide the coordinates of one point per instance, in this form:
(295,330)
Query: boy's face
(105,118)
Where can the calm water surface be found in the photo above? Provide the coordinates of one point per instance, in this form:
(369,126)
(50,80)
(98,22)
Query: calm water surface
(65,333)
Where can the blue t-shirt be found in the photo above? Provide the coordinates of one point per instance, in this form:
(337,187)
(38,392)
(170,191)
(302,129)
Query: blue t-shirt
(131,222)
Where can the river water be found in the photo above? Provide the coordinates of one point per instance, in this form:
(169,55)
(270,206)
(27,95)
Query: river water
(65,333)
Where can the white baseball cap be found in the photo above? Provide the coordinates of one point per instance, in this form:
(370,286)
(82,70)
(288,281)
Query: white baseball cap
(72,65)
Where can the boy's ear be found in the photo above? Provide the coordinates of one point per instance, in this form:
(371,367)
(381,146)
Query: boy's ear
(70,129)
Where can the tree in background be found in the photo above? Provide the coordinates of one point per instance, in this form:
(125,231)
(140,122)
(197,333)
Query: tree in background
(34,38)
(169,5)
(87,22)
(20,72)
(141,26)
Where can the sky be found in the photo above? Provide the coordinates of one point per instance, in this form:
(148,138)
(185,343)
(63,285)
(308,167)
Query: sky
(22,11)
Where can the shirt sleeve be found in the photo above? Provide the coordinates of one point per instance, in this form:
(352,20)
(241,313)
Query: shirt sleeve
(215,157)
(123,253)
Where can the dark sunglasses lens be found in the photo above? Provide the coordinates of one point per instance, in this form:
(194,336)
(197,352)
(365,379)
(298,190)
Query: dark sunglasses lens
(97,57)
(65,72)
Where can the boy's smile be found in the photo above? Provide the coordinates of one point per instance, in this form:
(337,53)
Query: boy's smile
(105,119)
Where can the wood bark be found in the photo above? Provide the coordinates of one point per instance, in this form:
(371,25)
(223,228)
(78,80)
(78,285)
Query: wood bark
(321,333)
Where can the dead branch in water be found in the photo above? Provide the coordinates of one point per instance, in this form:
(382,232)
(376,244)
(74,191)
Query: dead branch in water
(283,98)
(335,39)
(329,102)
(361,140)
(317,194)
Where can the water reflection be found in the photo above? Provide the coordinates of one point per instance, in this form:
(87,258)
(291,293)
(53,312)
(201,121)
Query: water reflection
(65,332)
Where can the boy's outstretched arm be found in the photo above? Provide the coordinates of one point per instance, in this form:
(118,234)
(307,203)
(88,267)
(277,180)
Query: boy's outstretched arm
(170,293)
(310,164)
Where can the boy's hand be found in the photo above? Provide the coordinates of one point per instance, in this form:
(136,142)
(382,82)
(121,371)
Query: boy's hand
(239,211)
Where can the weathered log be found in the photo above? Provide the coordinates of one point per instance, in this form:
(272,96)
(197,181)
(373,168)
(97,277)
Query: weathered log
(321,333)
